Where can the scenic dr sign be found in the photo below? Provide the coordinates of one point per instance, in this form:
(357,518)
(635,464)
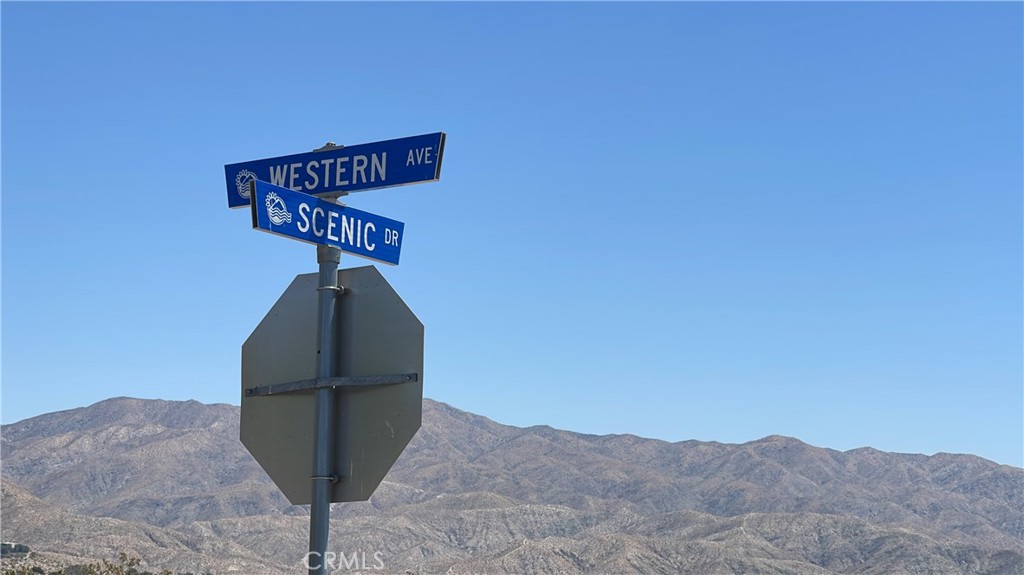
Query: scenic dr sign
(342,170)
(309,219)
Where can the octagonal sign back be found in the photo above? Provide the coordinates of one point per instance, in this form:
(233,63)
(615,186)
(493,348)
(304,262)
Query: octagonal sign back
(377,335)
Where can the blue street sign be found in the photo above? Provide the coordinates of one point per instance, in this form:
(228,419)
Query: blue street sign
(309,219)
(384,164)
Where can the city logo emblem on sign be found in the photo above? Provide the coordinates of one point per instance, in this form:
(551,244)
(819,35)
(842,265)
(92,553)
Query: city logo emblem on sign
(242,182)
(277,211)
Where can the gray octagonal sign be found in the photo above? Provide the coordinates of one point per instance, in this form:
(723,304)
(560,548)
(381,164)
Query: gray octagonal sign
(378,335)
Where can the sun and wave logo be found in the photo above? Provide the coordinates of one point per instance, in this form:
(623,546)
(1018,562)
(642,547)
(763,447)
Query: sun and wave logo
(277,211)
(242,182)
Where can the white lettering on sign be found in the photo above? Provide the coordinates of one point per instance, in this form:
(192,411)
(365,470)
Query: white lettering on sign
(277,174)
(317,231)
(419,157)
(347,230)
(336,172)
(379,166)
(331,224)
(366,236)
(339,171)
(358,167)
(342,229)
(303,225)
(310,167)
(327,169)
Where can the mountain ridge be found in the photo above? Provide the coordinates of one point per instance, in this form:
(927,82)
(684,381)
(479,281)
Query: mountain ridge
(121,401)
(467,487)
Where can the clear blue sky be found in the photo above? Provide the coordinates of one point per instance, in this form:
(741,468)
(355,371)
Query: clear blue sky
(677,220)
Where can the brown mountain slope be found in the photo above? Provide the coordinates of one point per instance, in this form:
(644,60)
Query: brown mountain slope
(476,496)
(484,533)
(148,460)
(75,538)
(958,493)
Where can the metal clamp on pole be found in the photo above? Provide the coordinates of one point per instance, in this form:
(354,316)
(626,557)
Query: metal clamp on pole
(328,147)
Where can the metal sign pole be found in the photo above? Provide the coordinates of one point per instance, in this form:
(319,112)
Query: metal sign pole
(323,476)
(394,343)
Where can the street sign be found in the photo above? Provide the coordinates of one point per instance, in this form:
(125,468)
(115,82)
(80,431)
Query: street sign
(309,219)
(377,335)
(342,170)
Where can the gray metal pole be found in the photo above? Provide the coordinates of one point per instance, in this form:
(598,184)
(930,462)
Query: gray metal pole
(323,475)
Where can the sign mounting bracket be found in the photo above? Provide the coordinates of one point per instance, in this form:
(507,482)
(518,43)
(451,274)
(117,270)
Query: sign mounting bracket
(334,382)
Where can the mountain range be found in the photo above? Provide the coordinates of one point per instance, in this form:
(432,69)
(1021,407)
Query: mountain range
(170,483)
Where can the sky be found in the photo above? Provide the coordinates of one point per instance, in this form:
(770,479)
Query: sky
(675,220)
